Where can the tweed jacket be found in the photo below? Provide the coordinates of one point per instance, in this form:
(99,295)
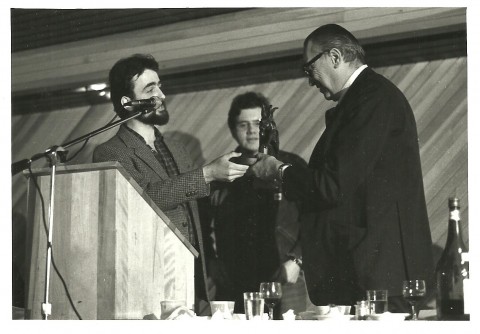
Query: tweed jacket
(364,222)
(168,193)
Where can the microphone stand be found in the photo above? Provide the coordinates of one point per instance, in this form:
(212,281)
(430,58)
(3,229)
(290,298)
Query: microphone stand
(55,154)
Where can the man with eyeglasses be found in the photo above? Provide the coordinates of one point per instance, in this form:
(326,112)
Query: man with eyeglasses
(364,222)
(254,235)
(161,166)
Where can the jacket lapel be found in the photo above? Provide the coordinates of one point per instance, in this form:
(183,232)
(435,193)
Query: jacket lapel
(142,151)
(324,143)
(354,95)
(336,117)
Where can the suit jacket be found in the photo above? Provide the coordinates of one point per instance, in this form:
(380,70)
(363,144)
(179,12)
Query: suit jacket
(364,222)
(169,193)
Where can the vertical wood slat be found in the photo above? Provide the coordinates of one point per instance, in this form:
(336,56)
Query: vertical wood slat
(117,256)
(107,277)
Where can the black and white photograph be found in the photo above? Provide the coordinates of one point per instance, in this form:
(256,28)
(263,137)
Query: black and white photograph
(305,165)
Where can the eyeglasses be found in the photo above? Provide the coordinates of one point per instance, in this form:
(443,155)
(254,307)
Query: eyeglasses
(244,125)
(308,64)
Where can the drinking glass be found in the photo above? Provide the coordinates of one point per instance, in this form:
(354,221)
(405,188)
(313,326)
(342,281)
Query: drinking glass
(272,293)
(377,301)
(167,307)
(253,302)
(223,309)
(413,291)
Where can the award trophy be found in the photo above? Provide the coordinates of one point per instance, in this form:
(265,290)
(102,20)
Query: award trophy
(268,132)
(269,142)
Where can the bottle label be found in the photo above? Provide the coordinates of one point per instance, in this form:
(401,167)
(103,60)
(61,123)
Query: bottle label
(455,215)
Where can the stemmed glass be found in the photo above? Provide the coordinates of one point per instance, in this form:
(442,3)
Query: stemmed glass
(413,291)
(272,293)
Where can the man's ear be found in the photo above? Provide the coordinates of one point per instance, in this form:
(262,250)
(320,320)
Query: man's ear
(336,57)
(124,100)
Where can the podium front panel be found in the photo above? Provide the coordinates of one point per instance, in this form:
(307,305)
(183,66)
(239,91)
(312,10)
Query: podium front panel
(118,258)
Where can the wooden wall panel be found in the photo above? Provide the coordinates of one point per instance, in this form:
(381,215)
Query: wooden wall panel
(437,91)
(257,34)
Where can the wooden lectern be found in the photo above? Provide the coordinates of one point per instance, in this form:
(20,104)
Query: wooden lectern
(117,252)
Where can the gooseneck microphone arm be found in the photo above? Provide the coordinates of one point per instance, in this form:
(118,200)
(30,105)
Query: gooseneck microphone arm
(21,165)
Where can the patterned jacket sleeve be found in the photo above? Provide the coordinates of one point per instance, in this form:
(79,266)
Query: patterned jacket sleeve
(167,193)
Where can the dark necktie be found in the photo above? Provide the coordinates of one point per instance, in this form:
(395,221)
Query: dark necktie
(164,156)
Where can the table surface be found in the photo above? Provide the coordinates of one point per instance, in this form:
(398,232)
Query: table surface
(431,314)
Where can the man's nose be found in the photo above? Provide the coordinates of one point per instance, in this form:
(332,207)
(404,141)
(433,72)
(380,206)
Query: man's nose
(161,95)
(252,127)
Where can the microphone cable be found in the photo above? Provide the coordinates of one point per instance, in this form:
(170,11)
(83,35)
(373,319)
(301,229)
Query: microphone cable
(72,304)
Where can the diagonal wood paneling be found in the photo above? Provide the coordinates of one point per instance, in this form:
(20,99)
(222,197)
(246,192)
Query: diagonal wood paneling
(436,90)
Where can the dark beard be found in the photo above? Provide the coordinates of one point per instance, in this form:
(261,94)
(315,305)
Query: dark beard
(155,118)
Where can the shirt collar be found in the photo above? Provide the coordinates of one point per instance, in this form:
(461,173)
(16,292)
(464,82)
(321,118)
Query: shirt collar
(351,80)
(354,76)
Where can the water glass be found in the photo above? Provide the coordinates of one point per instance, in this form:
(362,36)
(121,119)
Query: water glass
(254,304)
(362,310)
(377,301)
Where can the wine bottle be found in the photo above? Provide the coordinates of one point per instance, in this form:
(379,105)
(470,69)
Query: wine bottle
(452,271)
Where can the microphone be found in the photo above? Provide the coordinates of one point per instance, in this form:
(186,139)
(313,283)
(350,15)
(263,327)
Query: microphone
(152,103)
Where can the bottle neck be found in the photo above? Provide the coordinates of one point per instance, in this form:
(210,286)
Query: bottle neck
(454,231)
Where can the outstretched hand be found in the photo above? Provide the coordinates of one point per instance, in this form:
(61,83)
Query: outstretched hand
(222,169)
